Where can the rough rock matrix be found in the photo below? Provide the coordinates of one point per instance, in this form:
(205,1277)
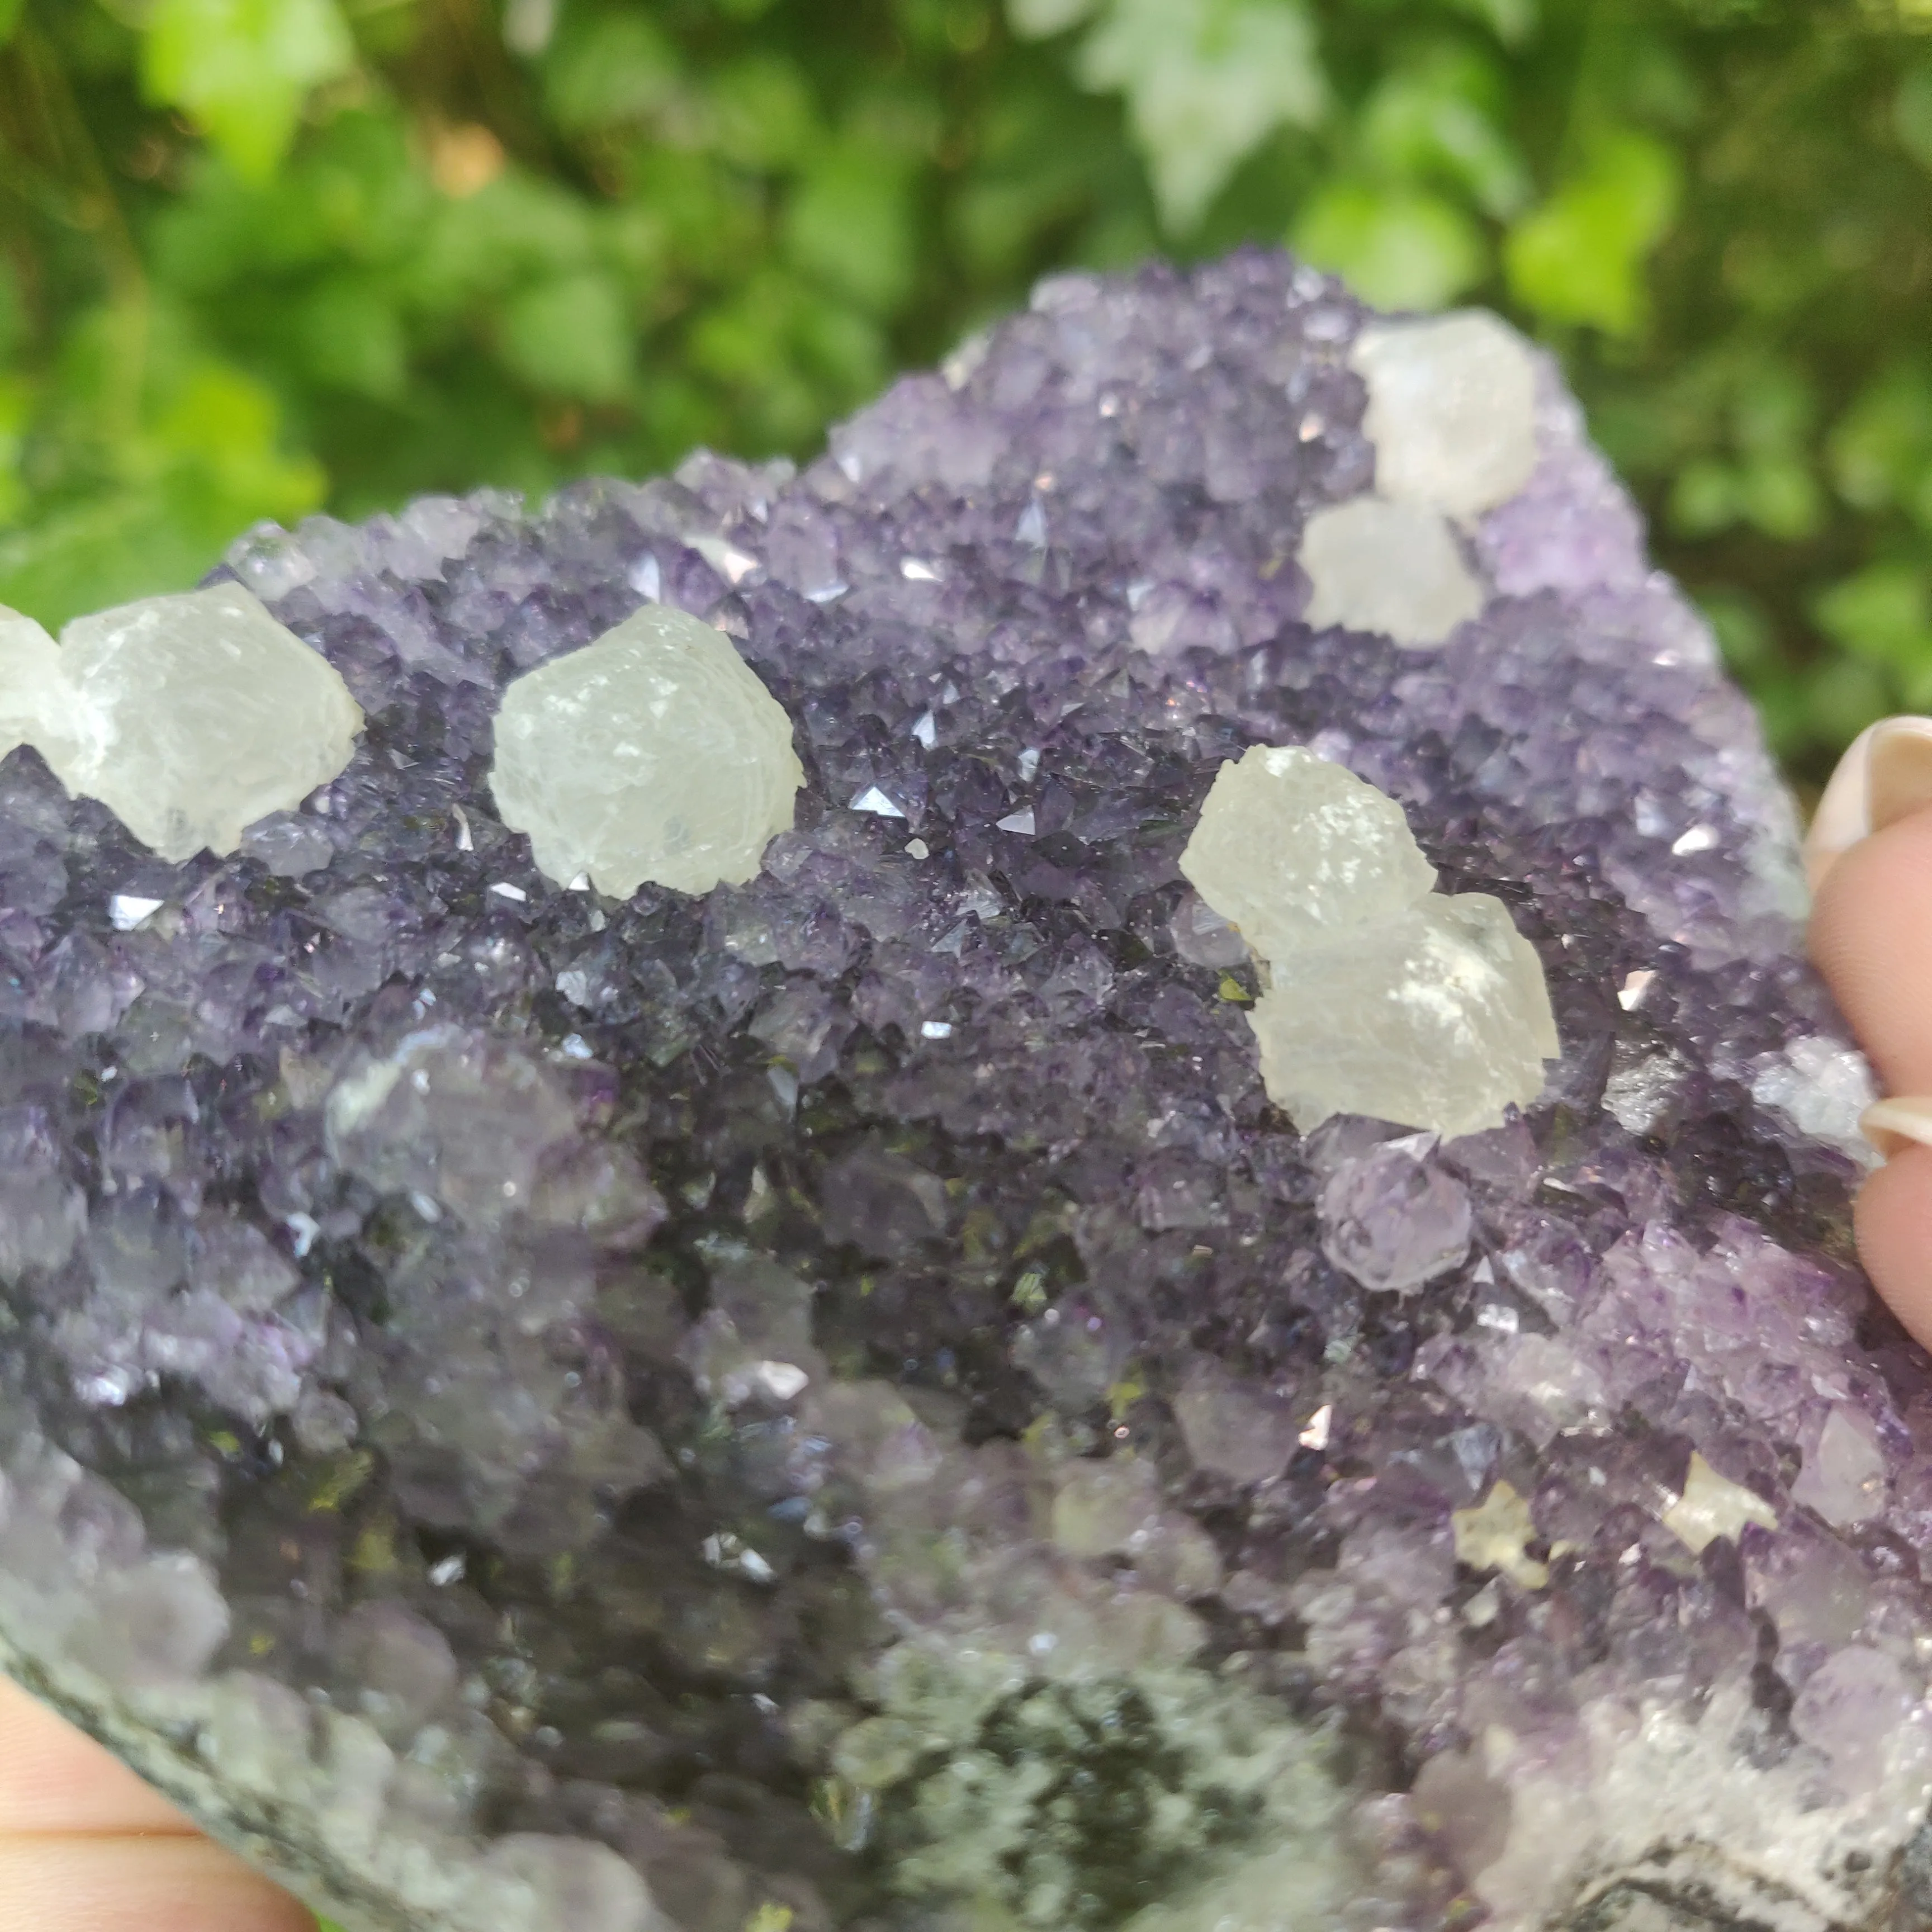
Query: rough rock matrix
(837,1401)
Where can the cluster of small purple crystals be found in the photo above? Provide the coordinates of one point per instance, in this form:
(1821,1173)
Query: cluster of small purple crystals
(838,1402)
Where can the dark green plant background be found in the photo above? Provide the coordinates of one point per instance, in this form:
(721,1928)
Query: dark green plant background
(259,257)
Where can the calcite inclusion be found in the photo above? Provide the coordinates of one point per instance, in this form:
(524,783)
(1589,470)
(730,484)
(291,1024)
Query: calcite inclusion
(190,716)
(652,754)
(1383,998)
(841,1401)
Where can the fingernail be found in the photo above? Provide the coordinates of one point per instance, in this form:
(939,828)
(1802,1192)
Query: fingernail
(1891,1123)
(1886,773)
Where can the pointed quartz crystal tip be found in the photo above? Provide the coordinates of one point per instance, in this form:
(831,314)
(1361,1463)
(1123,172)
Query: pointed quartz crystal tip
(654,754)
(189,717)
(1452,410)
(1290,846)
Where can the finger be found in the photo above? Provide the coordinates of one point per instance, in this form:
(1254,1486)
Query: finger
(1886,772)
(1893,1221)
(54,1780)
(168,1884)
(1871,936)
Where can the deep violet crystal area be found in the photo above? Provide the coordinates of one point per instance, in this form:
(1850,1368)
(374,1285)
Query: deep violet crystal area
(837,1403)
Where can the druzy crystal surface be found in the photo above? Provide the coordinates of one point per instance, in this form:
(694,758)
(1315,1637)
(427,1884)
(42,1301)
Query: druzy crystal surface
(189,716)
(654,754)
(838,1401)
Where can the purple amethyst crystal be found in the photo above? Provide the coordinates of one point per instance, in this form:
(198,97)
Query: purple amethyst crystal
(839,1403)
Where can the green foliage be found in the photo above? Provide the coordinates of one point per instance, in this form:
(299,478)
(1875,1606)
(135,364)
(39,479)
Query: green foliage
(260,257)
(242,68)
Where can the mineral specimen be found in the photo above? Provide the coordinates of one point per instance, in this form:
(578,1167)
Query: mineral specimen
(1293,849)
(1383,999)
(190,717)
(1451,410)
(839,1401)
(1346,552)
(653,754)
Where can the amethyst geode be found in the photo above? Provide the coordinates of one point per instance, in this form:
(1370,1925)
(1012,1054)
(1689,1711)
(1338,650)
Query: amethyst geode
(839,1403)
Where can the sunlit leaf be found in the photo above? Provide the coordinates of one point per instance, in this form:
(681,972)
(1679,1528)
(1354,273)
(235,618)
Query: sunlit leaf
(1400,247)
(242,69)
(1206,82)
(10,11)
(1580,258)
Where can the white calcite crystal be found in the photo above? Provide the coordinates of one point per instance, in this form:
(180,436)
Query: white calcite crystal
(1452,414)
(654,754)
(1438,1019)
(1394,568)
(190,717)
(1452,410)
(1290,847)
(1383,997)
(29,670)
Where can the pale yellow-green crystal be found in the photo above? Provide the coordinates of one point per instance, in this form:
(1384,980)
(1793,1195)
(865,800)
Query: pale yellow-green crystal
(189,716)
(1290,846)
(29,670)
(654,754)
(1382,998)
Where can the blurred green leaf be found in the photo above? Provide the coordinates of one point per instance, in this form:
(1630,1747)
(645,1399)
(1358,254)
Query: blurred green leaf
(1401,248)
(1035,19)
(207,465)
(1580,258)
(353,338)
(1206,82)
(1706,497)
(850,224)
(1436,122)
(571,336)
(243,68)
(1509,20)
(1912,113)
(1883,615)
(1880,449)
(607,68)
(10,11)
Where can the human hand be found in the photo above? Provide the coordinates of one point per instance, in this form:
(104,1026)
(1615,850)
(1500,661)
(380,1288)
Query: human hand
(1869,858)
(85,1847)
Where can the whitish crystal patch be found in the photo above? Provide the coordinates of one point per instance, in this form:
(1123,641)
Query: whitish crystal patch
(1452,410)
(1438,1019)
(29,670)
(189,717)
(1290,847)
(1385,998)
(654,754)
(1391,567)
